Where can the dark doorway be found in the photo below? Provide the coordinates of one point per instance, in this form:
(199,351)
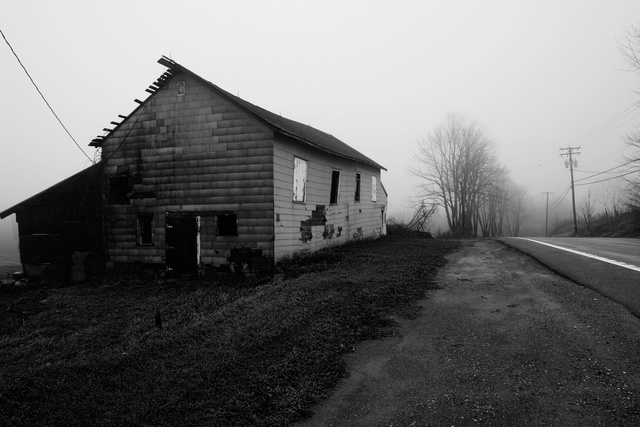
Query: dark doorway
(182,245)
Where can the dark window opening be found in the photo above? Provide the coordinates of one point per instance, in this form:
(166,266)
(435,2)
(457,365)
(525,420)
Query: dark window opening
(227,225)
(145,230)
(118,189)
(335,185)
(357,198)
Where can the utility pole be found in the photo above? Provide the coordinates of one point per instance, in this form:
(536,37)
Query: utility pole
(570,163)
(546,219)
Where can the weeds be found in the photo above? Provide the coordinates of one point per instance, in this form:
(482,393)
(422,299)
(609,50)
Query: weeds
(227,354)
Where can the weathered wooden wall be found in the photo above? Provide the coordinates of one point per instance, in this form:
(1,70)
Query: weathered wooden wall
(314,224)
(60,228)
(193,153)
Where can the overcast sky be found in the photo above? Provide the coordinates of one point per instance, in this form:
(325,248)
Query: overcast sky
(539,75)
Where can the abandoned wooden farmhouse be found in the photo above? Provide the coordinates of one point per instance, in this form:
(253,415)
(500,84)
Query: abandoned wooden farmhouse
(197,178)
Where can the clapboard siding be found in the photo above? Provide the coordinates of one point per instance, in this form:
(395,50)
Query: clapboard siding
(343,221)
(197,153)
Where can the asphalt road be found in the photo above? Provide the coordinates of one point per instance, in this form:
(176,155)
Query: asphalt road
(607,265)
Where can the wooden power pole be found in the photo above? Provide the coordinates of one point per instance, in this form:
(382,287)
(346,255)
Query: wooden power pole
(570,163)
(546,218)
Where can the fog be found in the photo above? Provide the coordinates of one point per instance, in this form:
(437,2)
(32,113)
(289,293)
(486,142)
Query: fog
(538,75)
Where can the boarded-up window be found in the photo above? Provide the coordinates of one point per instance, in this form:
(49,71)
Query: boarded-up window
(182,88)
(227,224)
(145,229)
(374,189)
(357,197)
(299,179)
(335,186)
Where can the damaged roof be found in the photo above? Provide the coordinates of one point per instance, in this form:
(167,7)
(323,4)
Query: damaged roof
(296,130)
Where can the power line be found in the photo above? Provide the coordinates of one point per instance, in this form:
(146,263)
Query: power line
(612,120)
(43,98)
(609,122)
(607,179)
(608,170)
(561,199)
(144,106)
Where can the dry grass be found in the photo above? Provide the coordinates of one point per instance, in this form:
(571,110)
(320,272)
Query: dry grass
(228,353)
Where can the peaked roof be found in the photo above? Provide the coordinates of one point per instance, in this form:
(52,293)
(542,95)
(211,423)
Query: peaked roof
(296,130)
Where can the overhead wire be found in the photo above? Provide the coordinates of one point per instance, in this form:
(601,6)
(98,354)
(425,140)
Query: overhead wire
(44,99)
(560,199)
(142,108)
(608,170)
(609,122)
(607,179)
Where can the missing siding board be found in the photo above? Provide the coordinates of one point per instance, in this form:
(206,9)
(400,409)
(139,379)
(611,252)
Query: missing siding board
(305,233)
(328,231)
(317,219)
(358,234)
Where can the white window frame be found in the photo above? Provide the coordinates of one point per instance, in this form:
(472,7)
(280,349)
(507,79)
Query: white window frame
(300,168)
(374,189)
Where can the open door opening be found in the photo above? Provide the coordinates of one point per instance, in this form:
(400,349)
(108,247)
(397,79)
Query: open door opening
(182,249)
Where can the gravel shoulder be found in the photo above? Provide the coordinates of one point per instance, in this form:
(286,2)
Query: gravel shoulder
(504,341)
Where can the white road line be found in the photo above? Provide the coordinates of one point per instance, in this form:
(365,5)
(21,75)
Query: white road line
(599,258)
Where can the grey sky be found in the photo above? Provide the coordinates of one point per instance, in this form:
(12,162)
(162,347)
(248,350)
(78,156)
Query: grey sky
(378,75)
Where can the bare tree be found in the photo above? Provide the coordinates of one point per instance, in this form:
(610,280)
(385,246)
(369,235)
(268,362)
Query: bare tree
(519,208)
(629,47)
(493,205)
(456,162)
(610,197)
(587,210)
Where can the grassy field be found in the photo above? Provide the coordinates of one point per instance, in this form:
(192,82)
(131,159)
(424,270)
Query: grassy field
(230,351)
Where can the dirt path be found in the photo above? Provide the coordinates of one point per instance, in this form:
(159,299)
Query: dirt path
(504,342)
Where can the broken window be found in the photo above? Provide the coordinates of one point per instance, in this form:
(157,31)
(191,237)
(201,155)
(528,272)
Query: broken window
(374,189)
(357,197)
(227,224)
(145,229)
(118,189)
(299,179)
(335,185)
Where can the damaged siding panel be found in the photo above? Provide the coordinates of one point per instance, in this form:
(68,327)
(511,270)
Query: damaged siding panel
(298,228)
